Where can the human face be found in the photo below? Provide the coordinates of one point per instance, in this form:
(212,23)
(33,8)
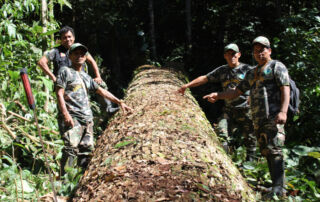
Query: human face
(78,57)
(67,39)
(261,53)
(232,58)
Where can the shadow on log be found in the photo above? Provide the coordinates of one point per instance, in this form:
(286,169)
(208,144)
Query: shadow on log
(166,150)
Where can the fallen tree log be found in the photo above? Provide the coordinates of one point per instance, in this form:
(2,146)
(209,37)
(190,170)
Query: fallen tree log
(166,150)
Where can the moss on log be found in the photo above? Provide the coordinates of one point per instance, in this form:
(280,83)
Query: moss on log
(166,150)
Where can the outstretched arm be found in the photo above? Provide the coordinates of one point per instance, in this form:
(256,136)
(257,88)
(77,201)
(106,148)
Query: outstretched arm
(43,64)
(230,94)
(62,106)
(194,83)
(95,68)
(113,99)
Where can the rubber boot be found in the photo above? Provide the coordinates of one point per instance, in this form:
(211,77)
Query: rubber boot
(110,109)
(225,147)
(251,154)
(277,176)
(83,161)
(66,161)
(107,104)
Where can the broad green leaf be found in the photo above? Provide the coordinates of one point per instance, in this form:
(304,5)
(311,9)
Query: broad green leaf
(47,82)
(49,32)
(11,29)
(14,75)
(124,143)
(26,186)
(314,155)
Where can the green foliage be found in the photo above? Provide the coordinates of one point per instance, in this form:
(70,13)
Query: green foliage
(22,170)
(119,31)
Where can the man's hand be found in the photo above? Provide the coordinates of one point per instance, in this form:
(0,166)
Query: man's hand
(53,78)
(213,97)
(125,108)
(98,80)
(182,89)
(68,120)
(281,118)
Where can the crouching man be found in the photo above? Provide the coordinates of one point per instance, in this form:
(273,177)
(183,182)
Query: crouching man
(75,116)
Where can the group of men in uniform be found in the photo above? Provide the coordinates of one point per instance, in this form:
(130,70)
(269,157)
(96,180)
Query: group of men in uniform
(72,85)
(256,102)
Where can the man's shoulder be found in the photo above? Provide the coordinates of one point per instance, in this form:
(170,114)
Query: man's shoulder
(222,68)
(65,70)
(85,74)
(245,66)
(276,63)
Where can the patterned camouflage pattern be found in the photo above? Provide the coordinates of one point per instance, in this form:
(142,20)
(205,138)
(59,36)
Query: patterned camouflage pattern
(76,84)
(230,79)
(239,119)
(265,102)
(265,90)
(236,113)
(271,138)
(78,143)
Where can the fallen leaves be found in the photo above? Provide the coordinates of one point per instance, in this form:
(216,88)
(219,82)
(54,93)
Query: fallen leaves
(165,150)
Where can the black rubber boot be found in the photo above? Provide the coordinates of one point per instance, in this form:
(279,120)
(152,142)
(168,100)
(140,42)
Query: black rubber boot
(66,160)
(225,147)
(110,109)
(251,154)
(107,104)
(83,161)
(277,176)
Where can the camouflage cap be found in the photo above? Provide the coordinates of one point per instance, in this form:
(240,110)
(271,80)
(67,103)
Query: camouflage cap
(231,46)
(76,46)
(261,40)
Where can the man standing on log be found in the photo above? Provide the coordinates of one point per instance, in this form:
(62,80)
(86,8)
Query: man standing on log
(75,116)
(269,89)
(236,113)
(59,57)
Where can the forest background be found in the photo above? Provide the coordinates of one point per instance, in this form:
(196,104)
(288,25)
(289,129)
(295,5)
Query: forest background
(182,34)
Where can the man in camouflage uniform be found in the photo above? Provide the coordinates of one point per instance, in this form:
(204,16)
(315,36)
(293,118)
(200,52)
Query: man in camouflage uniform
(269,89)
(236,113)
(75,116)
(59,57)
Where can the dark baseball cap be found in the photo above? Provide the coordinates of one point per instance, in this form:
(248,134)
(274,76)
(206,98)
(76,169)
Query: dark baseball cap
(77,46)
(231,46)
(262,40)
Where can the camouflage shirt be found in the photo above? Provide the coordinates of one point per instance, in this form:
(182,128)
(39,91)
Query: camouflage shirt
(230,79)
(265,89)
(75,95)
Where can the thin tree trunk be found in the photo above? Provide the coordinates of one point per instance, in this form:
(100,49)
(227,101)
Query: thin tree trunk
(189,25)
(152,31)
(166,150)
(51,18)
(44,22)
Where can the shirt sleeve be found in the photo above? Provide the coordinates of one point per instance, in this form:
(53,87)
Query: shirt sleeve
(50,54)
(62,78)
(213,76)
(281,74)
(90,83)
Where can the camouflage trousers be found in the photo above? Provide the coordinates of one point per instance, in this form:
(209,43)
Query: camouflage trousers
(239,119)
(270,136)
(78,144)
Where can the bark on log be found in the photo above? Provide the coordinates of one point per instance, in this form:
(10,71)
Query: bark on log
(166,150)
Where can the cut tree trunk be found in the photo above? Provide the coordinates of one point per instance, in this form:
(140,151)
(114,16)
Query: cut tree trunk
(166,150)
